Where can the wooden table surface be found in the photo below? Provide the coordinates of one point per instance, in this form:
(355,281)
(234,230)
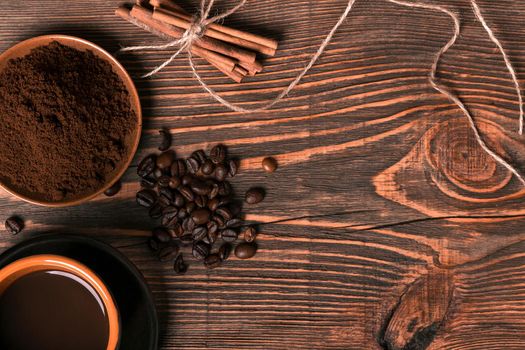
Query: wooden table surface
(385,227)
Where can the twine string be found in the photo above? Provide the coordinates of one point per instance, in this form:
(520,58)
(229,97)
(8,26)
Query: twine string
(202,21)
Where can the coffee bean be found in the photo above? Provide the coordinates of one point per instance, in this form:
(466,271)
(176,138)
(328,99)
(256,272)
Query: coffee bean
(148,181)
(146,198)
(193,165)
(14,225)
(200,187)
(245,250)
(219,220)
(213,204)
(225,189)
(186,180)
(174,182)
(199,233)
(235,222)
(269,164)
(213,261)
(214,191)
(223,201)
(182,213)
(153,244)
(199,155)
(178,168)
(176,230)
(114,189)
(190,207)
(167,195)
(178,200)
(186,238)
(165,160)
(212,237)
(169,216)
(224,212)
(188,225)
(254,195)
(164,181)
(200,250)
(218,154)
(157,173)
(179,266)
(221,172)
(207,167)
(224,251)
(187,193)
(167,253)
(232,167)
(229,235)
(201,216)
(147,165)
(249,234)
(201,201)
(165,143)
(212,227)
(155,211)
(161,235)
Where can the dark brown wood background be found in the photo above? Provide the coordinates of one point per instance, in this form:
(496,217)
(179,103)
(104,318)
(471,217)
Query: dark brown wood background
(386,226)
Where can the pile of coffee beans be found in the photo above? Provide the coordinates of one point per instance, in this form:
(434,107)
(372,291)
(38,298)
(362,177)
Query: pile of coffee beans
(196,206)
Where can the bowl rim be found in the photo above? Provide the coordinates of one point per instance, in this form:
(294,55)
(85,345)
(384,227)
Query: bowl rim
(135,105)
(45,262)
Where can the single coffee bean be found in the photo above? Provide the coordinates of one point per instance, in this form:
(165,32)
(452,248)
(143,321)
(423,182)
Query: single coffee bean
(207,167)
(199,233)
(254,195)
(249,234)
(146,198)
(147,165)
(14,225)
(157,173)
(166,194)
(200,216)
(167,253)
(225,250)
(212,227)
(213,261)
(212,237)
(176,230)
(169,216)
(199,155)
(179,266)
(186,180)
(186,239)
(235,222)
(223,201)
(229,235)
(148,181)
(174,182)
(164,181)
(213,204)
(182,213)
(155,211)
(193,165)
(165,160)
(153,244)
(114,189)
(269,164)
(188,225)
(201,250)
(233,167)
(200,187)
(178,200)
(178,168)
(245,250)
(224,212)
(221,172)
(165,143)
(161,235)
(201,201)
(190,207)
(214,191)
(225,189)
(187,193)
(219,220)
(218,154)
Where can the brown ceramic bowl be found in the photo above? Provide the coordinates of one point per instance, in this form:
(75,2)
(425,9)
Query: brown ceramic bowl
(23,48)
(35,263)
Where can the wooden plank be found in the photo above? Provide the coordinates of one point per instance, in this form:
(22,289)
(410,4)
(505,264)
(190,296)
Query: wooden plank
(380,185)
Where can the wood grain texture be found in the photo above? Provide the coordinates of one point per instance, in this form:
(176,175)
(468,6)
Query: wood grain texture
(381,191)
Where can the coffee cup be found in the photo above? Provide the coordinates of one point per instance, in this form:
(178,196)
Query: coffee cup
(53,302)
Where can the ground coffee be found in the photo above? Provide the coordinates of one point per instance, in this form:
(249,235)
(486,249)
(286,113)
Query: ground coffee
(66,123)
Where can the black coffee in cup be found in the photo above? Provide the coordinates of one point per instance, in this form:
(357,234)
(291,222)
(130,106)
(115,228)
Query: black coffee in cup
(52,310)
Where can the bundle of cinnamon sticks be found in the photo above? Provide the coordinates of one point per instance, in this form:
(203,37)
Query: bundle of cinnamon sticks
(232,51)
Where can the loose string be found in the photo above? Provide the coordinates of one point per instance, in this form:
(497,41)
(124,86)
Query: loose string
(201,22)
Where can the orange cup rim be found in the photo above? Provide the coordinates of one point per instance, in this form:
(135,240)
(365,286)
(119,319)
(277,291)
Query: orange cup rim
(43,262)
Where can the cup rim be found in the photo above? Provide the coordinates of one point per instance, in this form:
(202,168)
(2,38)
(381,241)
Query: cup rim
(80,44)
(43,262)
